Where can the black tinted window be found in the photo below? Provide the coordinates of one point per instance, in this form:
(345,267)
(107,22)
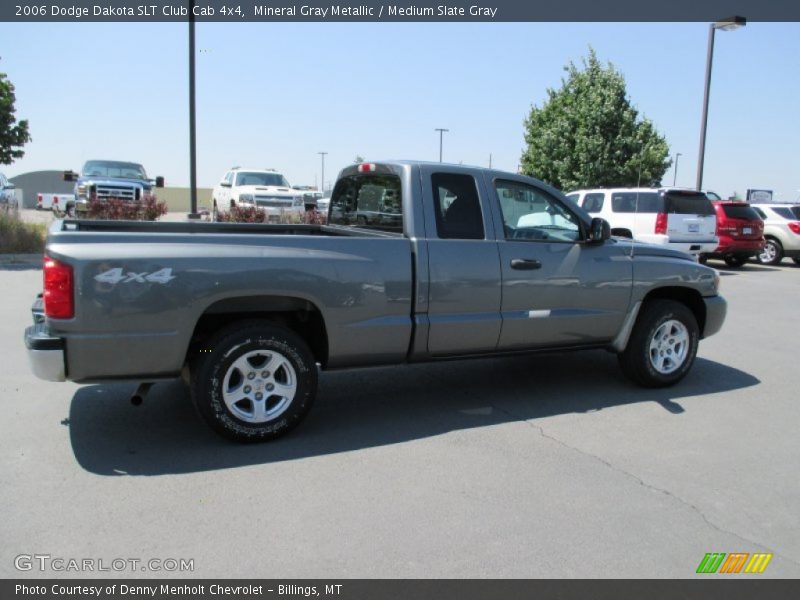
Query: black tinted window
(688,203)
(784,211)
(457,207)
(371,201)
(740,211)
(643,202)
(593,202)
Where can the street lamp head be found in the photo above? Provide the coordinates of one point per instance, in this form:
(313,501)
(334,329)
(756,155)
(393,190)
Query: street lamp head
(730,23)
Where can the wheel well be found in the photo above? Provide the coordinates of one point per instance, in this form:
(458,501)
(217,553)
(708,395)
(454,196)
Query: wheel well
(301,316)
(686,296)
(622,232)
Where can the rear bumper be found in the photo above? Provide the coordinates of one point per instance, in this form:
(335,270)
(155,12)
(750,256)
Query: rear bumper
(729,245)
(45,353)
(700,246)
(716,309)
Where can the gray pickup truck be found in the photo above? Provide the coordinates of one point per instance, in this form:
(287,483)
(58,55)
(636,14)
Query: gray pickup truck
(474,262)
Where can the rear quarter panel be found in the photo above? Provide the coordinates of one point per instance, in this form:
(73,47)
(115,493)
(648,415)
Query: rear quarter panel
(138,327)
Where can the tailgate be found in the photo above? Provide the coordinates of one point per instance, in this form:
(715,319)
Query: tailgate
(690,216)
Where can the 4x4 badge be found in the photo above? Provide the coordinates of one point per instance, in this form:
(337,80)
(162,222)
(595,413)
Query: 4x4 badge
(114,276)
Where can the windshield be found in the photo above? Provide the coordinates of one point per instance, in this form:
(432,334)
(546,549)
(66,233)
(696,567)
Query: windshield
(110,168)
(255,178)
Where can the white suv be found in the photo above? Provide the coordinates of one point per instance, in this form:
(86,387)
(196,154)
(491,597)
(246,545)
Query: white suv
(781,231)
(678,218)
(264,188)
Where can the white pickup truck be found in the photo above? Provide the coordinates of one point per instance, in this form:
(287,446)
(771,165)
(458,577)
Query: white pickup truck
(265,189)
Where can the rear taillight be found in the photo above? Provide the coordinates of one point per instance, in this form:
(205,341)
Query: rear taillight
(58,303)
(661,223)
(39,199)
(795,227)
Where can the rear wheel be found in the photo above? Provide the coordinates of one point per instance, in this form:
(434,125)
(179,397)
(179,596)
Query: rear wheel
(796,261)
(256,383)
(663,344)
(735,260)
(772,254)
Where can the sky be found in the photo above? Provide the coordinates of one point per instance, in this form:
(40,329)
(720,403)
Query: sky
(274,95)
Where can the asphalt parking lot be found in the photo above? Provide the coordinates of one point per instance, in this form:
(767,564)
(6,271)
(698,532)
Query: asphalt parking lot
(548,466)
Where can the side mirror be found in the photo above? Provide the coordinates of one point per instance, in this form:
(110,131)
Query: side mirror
(159,181)
(10,186)
(224,184)
(599,231)
(70,176)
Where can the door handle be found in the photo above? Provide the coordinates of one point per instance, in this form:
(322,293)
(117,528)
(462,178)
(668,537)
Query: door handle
(525,264)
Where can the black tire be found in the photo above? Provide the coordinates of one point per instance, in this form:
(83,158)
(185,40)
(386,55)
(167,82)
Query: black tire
(735,260)
(796,260)
(772,253)
(636,361)
(702,259)
(215,379)
(215,212)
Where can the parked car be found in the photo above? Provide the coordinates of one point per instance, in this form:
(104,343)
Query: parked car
(249,313)
(264,188)
(310,196)
(104,179)
(323,204)
(676,218)
(740,231)
(781,232)
(8,198)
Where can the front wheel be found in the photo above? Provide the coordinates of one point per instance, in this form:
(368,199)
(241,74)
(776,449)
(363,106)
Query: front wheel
(254,381)
(772,254)
(663,344)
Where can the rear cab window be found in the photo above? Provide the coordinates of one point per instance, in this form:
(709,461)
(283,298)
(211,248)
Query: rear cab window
(457,207)
(372,201)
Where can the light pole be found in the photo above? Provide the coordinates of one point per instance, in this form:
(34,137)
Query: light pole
(193,214)
(441,133)
(728,24)
(675,175)
(322,179)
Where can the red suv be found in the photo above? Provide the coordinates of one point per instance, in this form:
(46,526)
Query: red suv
(740,231)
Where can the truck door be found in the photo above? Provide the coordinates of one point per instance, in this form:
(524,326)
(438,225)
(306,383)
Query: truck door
(557,289)
(464,291)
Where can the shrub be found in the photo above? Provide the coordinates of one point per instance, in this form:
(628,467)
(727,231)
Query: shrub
(254,214)
(149,208)
(18,237)
(243,214)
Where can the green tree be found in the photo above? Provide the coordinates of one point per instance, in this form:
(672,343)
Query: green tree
(13,135)
(587,134)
